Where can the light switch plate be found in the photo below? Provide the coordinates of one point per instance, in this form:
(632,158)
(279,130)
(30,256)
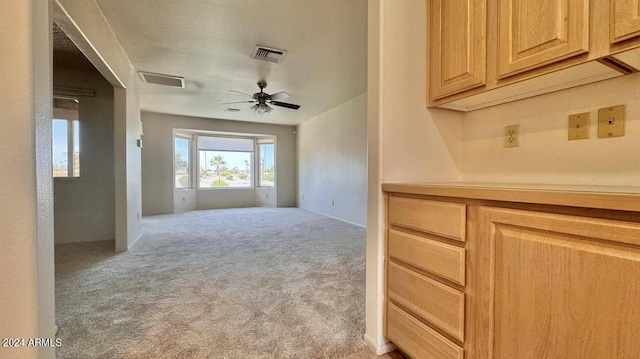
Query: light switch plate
(511,136)
(579,126)
(611,121)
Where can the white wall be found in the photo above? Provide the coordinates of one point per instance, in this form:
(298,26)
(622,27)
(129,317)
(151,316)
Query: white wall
(545,155)
(184,200)
(84,23)
(407,142)
(26,197)
(332,162)
(265,197)
(157,165)
(85,206)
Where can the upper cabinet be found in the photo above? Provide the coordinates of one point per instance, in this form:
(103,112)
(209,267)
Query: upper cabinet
(457,46)
(487,52)
(533,33)
(625,19)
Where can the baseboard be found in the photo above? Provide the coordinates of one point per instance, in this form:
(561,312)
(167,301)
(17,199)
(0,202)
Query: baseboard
(332,217)
(134,242)
(379,349)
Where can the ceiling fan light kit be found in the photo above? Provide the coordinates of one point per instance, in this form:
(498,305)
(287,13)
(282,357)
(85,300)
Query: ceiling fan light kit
(261,108)
(262,100)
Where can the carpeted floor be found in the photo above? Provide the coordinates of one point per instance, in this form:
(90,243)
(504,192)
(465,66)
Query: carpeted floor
(237,283)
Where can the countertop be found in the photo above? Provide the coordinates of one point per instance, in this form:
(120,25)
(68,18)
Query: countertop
(601,197)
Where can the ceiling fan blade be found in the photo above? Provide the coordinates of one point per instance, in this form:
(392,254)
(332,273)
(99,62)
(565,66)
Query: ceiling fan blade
(229,103)
(240,92)
(284,104)
(279,96)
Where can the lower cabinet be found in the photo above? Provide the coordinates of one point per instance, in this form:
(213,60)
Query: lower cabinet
(539,284)
(556,286)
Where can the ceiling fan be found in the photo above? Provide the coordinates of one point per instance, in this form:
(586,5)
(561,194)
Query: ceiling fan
(262,100)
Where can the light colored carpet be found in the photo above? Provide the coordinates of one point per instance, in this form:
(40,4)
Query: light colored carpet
(236,283)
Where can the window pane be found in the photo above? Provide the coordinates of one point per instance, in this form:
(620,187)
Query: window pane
(267,165)
(76,149)
(182,163)
(60,148)
(225,169)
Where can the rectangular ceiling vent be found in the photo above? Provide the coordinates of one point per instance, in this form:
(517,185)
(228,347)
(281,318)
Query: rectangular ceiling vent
(160,79)
(268,54)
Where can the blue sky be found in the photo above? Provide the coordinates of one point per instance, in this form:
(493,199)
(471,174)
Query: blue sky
(59,141)
(233,159)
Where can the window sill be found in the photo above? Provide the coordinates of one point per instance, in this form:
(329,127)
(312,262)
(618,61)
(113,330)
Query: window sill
(68,179)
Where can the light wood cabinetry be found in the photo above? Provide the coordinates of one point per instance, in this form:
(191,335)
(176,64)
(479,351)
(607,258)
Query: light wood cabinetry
(439,258)
(418,339)
(439,218)
(533,33)
(457,46)
(558,286)
(625,20)
(533,47)
(549,273)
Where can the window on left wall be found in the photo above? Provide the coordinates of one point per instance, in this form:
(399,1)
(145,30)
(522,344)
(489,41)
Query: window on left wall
(182,165)
(66,139)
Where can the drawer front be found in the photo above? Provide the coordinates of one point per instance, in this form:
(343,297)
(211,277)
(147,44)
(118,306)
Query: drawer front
(439,258)
(439,304)
(441,218)
(417,339)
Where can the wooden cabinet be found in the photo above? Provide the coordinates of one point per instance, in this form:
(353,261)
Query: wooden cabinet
(425,254)
(486,53)
(457,46)
(555,286)
(548,273)
(625,20)
(533,33)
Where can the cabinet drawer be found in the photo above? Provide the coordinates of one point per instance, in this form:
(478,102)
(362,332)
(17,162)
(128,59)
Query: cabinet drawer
(439,258)
(417,339)
(439,304)
(440,218)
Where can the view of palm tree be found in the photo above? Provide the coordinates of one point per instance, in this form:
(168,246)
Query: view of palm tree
(182,170)
(223,169)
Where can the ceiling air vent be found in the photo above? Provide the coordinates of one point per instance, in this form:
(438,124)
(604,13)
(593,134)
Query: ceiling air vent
(268,54)
(160,79)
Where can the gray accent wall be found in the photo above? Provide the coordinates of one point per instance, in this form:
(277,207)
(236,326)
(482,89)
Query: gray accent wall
(332,162)
(158,194)
(84,207)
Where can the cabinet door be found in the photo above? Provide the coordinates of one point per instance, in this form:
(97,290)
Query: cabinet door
(556,286)
(533,33)
(625,19)
(457,46)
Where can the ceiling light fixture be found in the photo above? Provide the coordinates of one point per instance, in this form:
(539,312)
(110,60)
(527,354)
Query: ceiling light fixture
(261,108)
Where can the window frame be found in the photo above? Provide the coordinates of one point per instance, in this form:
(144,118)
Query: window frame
(252,156)
(71,145)
(265,141)
(190,138)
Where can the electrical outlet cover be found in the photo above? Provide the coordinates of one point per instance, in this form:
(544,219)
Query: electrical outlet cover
(611,121)
(579,126)
(511,136)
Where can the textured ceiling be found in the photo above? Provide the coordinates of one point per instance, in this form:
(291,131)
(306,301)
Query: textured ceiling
(66,54)
(210,43)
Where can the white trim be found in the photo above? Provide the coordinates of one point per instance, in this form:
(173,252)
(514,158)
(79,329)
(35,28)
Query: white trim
(332,217)
(381,349)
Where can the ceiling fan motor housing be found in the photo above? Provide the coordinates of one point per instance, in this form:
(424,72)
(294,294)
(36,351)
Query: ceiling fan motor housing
(262,100)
